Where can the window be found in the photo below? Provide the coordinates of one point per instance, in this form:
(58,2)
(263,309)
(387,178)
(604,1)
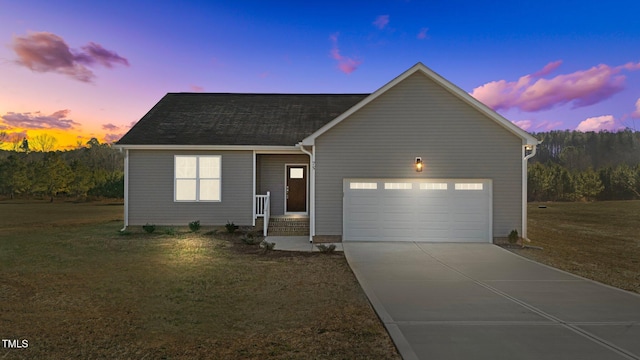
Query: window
(363,185)
(398,186)
(469,186)
(197,178)
(296,173)
(433,186)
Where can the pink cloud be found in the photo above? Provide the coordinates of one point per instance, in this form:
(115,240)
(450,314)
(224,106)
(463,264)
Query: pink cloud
(422,34)
(111,138)
(47,52)
(580,88)
(547,69)
(57,120)
(346,64)
(523,124)
(381,21)
(636,114)
(598,123)
(196,88)
(547,125)
(16,136)
(110,127)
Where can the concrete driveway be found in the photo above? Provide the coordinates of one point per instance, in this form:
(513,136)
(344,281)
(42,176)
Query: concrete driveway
(479,301)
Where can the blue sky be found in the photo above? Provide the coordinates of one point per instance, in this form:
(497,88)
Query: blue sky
(77,69)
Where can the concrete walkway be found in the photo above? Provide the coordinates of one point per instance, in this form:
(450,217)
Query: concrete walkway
(479,301)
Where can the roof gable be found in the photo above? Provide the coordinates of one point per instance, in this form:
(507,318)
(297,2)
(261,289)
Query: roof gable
(456,91)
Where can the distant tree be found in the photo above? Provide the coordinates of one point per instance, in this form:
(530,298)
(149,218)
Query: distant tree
(54,175)
(3,137)
(14,176)
(81,180)
(24,146)
(588,185)
(43,143)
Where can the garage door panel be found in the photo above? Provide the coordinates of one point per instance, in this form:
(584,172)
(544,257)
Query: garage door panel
(418,210)
(357,216)
(363,200)
(432,218)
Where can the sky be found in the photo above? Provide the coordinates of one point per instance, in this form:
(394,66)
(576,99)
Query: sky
(81,69)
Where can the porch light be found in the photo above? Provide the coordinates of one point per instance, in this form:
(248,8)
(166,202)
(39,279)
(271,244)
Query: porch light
(418,164)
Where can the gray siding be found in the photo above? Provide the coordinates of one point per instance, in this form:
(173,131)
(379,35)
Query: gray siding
(417,117)
(151,189)
(271,177)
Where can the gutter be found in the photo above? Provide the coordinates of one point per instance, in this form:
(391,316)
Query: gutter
(312,189)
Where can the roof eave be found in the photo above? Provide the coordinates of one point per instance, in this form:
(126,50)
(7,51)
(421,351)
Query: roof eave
(257,148)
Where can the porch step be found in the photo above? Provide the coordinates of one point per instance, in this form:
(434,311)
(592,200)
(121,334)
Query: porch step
(288,226)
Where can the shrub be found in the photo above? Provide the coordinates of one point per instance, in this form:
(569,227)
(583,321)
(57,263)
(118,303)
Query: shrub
(149,228)
(249,239)
(194,226)
(326,249)
(513,236)
(231,227)
(267,246)
(171,231)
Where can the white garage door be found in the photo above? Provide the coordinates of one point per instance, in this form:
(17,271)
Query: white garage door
(449,210)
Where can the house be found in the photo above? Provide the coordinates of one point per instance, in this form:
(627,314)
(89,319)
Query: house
(417,160)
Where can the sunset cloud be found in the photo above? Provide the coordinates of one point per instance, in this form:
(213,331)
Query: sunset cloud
(422,34)
(111,138)
(547,69)
(47,52)
(57,120)
(599,123)
(110,127)
(381,21)
(636,114)
(531,93)
(523,124)
(346,64)
(196,88)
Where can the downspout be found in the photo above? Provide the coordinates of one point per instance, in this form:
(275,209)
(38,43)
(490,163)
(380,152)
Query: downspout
(312,190)
(126,189)
(525,158)
(253,211)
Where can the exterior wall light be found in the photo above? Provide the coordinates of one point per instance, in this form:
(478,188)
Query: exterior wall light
(419,164)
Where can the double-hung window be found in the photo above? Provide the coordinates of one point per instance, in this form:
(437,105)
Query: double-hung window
(197,178)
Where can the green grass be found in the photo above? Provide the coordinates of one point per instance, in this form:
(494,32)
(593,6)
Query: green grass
(75,287)
(597,240)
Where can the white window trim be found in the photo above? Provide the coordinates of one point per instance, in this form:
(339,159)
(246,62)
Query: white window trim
(197,178)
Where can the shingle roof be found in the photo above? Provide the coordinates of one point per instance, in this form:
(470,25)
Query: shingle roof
(237,119)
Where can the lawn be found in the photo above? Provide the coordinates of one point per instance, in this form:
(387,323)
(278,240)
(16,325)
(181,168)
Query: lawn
(74,287)
(597,240)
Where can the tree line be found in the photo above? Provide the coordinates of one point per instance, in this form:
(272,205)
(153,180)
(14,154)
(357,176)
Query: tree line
(577,166)
(568,166)
(93,169)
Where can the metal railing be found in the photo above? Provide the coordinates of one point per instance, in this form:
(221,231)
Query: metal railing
(263,210)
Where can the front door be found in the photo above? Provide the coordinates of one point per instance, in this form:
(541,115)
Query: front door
(296,189)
